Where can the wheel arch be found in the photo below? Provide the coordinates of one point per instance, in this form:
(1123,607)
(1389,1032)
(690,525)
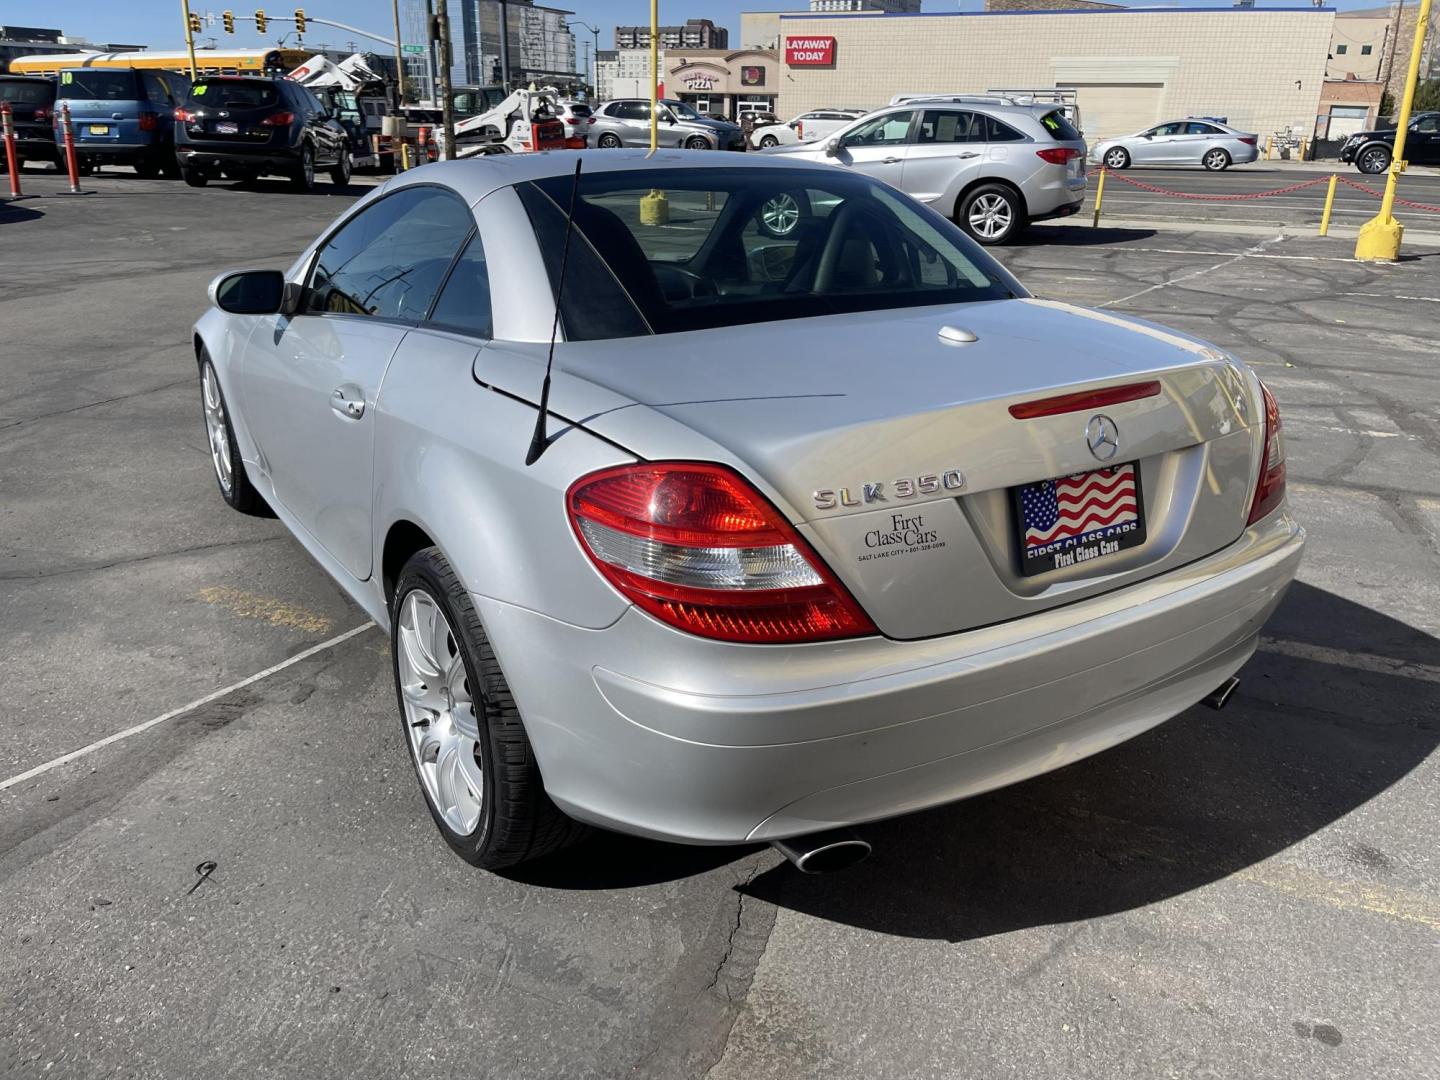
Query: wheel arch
(402,540)
(981,182)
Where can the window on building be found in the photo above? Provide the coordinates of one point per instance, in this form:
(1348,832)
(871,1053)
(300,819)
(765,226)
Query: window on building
(1341,50)
(1365,50)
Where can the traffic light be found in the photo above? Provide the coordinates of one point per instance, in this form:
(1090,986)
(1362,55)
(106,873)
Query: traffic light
(299,20)
(228,18)
(194,23)
(260,20)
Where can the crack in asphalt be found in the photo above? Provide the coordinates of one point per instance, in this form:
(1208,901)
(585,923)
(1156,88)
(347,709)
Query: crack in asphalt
(7,424)
(85,568)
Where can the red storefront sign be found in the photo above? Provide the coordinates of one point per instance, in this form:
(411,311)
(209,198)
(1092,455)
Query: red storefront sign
(810,51)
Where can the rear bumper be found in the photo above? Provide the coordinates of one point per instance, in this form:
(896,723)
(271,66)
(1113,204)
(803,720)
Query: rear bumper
(118,152)
(642,729)
(258,156)
(34,147)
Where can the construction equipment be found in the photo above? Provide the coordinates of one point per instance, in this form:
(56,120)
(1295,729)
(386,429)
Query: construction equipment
(526,120)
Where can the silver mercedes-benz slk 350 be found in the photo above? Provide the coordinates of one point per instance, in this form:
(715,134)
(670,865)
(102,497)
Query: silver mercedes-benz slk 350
(807,531)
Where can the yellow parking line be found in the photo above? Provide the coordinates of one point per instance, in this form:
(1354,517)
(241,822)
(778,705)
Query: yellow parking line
(250,605)
(1383,900)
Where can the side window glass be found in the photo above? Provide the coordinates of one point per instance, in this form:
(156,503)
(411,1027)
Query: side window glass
(1199,129)
(464,302)
(882,131)
(999,132)
(389,259)
(949,126)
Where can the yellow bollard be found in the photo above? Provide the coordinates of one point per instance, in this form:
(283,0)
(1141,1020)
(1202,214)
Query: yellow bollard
(1099,197)
(654,208)
(1329,203)
(1269,143)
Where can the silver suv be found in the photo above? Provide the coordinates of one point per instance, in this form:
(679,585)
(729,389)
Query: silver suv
(626,122)
(990,164)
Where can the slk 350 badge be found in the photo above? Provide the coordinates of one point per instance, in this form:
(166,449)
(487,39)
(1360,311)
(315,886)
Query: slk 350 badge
(903,488)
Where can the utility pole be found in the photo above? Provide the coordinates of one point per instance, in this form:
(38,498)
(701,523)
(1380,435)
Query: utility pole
(399,59)
(447,103)
(189,36)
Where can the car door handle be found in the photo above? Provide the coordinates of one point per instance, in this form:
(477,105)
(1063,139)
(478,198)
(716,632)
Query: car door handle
(117,116)
(348,401)
(967,154)
(889,160)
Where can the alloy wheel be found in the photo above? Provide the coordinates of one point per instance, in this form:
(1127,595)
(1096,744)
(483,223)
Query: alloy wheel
(1374,161)
(307,167)
(767,141)
(991,216)
(217,429)
(780,215)
(1216,159)
(1116,159)
(440,712)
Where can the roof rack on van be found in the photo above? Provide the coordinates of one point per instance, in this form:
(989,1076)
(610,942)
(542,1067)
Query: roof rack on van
(974,99)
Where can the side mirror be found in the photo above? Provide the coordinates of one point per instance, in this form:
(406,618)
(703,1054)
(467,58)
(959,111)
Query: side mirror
(832,148)
(252,292)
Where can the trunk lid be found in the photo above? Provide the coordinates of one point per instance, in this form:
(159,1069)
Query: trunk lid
(897,456)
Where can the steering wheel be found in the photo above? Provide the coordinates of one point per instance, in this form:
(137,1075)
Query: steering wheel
(678,283)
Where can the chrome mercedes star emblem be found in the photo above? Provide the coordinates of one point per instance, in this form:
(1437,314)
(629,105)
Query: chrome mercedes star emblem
(1103,437)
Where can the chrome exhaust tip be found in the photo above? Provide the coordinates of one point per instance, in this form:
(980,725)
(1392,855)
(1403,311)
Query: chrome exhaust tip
(823,852)
(1220,696)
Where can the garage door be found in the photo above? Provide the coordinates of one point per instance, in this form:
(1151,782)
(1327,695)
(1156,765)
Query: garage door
(1110,109)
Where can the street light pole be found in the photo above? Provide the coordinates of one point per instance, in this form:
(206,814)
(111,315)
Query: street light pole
(399,57)
(594,57)
(189,37)
(447,103)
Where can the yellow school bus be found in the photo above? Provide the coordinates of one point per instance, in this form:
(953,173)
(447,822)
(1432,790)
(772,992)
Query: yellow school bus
(207,61)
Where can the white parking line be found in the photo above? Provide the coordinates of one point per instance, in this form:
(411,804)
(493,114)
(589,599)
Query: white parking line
(1196,273)
(39,770)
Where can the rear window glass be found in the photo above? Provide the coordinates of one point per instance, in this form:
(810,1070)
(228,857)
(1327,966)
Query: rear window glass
(1060,129)
(579,110)
(996,131)
(100,84)
(234,93)
(27,93)
(746,246)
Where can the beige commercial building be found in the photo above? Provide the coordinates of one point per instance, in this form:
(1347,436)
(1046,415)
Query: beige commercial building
(1263,69)
(725,82)
(1359,46)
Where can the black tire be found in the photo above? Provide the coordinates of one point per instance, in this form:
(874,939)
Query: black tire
(1117,157)
(241,495)
(147,168)
(194,176)
(303,176)
(1373,160)
(1006,224)
(340,172)
(84,168)
(170,165)
(609,141)
(517,820)
(697,142)
(1216,160)
(767,141)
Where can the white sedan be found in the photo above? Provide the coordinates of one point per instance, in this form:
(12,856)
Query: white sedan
(807,127)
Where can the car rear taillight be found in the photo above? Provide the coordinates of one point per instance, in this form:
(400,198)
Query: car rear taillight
(149,121)
(42,114)
(279,119)
(700,549)
(184,115)
(1270,491)
(1248,140)
(1057,155)
(800,131)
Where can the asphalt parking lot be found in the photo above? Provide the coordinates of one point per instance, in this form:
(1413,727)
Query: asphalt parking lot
(1248,893)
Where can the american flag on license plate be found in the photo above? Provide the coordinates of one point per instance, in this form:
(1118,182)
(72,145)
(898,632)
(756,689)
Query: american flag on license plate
(1072,508)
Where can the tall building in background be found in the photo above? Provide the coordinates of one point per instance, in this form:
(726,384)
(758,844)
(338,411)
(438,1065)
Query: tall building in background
(540,45)
(606,63)
(695,34)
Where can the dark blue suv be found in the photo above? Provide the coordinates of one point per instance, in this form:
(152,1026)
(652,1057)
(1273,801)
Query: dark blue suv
(121,116)
(242,127)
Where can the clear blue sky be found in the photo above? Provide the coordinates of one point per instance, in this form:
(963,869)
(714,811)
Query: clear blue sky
(157,24)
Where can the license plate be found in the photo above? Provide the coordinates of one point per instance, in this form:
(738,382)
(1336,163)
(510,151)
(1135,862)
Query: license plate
(225,127)
(99,129)
(1078,518)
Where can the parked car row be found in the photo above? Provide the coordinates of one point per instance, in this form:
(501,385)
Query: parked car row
(160,123)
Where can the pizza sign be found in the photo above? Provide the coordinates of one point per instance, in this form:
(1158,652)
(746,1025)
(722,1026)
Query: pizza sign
(810,51)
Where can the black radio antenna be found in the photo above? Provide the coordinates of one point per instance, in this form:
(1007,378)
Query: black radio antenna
(539,440)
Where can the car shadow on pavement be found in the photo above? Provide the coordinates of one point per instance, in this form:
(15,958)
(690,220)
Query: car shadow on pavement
(12,213)
(1304,741)
(1078,236)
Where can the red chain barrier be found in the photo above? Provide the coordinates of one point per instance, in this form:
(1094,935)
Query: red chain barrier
(1377,194)
(1217,198)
